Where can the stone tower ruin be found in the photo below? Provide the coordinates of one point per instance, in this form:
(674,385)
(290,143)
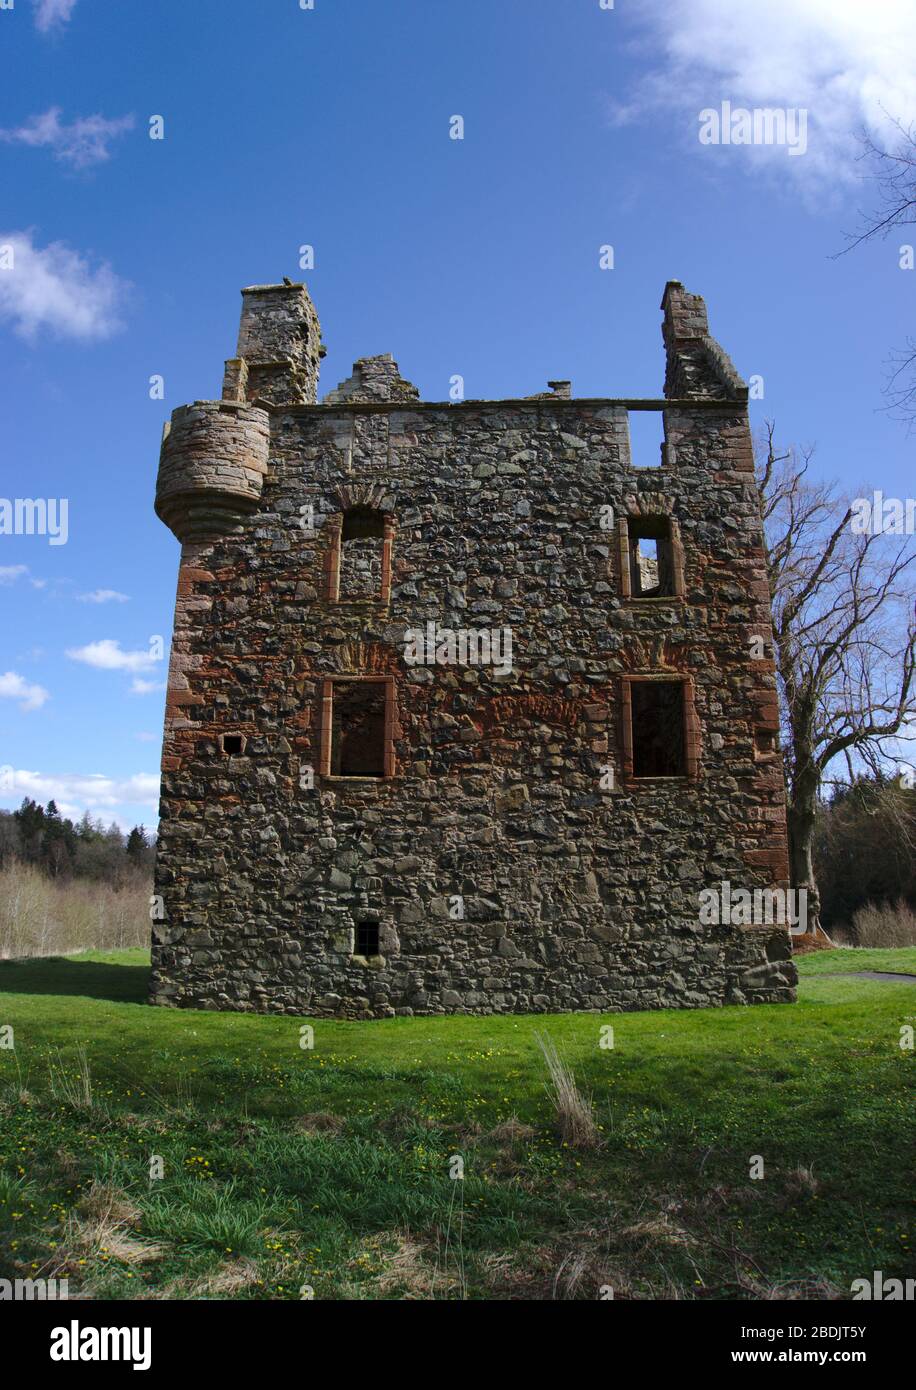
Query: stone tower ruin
(467,708)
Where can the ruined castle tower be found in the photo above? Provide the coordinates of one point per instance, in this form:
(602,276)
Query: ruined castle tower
(465,709)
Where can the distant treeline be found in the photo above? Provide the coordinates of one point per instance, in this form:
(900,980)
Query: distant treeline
(865,850)
(63,849)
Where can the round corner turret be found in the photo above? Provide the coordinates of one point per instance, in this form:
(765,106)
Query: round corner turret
(212,467)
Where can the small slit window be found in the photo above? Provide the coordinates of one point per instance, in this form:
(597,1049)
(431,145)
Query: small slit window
(766,743)
(367,939)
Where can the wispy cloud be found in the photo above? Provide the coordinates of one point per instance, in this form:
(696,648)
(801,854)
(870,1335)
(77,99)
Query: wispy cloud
(78,792)
(16,687)
(82,143)
(11,574)
(103,596)
(51,14)
(849,65)
(138,686)
(55,288)
(106,655)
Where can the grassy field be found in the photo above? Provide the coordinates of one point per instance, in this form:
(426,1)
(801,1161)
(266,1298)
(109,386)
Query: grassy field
(328,1169)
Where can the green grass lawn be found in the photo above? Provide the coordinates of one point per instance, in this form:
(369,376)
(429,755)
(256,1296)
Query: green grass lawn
(844,960)
(329,1167)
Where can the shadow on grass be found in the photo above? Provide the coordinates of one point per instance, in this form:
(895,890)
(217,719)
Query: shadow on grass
(89,979)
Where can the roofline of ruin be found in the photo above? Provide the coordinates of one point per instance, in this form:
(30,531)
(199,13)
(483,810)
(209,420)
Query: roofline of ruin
(573,403)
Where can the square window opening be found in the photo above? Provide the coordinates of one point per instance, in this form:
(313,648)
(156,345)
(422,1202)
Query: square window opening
(367,939)
(659,746)
(233,745)
(358,728)
(362,545)
(651,557)
(766,743)
(647,437)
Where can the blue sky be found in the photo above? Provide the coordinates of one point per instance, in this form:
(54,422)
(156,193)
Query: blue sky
(330,127)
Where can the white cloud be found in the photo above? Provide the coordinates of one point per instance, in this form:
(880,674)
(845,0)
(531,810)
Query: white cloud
(78,792)
(82,143)
(848,64)
(51,13)
(56,288)
(10,573)
(106,655)
(145,737)
(139,686)
(104,596)
(16,687)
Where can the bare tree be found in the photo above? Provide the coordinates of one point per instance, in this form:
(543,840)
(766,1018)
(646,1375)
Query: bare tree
(893,169)
(843,619)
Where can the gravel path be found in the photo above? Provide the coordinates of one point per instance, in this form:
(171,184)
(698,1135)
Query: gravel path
(869,975)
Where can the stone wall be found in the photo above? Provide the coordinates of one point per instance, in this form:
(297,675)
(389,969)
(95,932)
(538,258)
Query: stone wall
(502,870)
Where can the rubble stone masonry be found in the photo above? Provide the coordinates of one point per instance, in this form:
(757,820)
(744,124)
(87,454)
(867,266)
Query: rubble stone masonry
(506,854)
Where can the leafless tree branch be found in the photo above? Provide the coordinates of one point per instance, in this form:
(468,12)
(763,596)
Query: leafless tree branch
(845,634)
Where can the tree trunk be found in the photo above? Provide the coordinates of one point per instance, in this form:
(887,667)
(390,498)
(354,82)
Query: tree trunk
(800,816)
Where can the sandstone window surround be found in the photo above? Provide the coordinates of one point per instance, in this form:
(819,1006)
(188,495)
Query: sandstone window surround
(232,745)
(645,748)
(364,537)
(357,728)
(635,578)
(766,743)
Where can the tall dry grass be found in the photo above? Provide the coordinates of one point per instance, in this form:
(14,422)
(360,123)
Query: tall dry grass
(887,925)
(40,916)
(575,1119)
